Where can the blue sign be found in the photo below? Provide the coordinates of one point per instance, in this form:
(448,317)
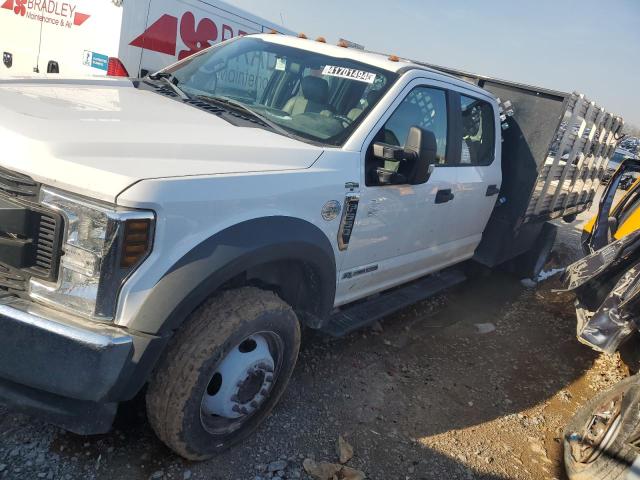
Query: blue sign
(99,61)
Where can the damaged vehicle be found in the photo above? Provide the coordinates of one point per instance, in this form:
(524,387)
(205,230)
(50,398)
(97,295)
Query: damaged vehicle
(603,438)
(172,234)
(615,221)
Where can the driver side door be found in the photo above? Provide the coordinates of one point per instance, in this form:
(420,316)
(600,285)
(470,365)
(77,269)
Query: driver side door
(397,236)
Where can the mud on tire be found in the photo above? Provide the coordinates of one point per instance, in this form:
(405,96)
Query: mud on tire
(175,396)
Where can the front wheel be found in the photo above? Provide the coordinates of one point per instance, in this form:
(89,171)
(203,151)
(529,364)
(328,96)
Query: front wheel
(223,372)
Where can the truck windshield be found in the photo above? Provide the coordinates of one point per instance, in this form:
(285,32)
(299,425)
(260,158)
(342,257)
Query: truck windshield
(315,97)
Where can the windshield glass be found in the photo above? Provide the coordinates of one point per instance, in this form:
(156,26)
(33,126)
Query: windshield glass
(313,96)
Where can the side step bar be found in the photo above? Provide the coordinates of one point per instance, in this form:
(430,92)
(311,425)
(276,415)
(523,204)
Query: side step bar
(359,315)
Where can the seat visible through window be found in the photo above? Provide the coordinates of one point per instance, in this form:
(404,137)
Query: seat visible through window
(313,97)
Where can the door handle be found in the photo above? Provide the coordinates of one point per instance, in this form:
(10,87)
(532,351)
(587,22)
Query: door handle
(492,190)
(444,196)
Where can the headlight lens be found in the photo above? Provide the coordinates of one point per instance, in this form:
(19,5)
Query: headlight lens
(102,246)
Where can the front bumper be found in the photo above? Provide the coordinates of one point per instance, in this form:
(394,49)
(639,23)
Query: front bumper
(69,370)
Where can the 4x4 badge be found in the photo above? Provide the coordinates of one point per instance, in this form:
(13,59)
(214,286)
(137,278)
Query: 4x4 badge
(331,210)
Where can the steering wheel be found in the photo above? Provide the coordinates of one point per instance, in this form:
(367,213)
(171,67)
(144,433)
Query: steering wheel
(346,120)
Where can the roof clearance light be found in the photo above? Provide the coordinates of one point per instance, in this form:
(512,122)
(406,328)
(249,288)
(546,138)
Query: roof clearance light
(116,68)
(343,44)
(302,35)
(394,58)
(321,40)
(273,32)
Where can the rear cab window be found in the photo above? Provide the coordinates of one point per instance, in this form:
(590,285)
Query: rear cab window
(478,131)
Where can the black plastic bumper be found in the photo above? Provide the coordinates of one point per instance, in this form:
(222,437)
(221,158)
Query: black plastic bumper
(78,416)
(69,371)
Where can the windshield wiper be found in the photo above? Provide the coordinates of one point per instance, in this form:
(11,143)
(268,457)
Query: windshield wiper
(244,108)
(168,78)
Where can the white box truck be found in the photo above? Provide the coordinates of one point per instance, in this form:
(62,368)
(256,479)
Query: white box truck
(99,37)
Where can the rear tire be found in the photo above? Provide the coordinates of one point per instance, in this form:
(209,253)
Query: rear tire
(616,458)
(183,390)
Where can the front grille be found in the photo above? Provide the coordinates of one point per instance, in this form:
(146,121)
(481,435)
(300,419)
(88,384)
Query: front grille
(18,185)
(12,280)
(39,256)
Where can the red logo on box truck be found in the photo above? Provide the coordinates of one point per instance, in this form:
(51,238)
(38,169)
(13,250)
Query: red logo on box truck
(54,12)
(162,35)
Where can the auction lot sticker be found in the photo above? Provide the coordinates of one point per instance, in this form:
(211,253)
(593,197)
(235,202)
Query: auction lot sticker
(350,73)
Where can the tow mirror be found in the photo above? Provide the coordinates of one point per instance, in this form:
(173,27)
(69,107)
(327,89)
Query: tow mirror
(417,157)
(421,145)
(384,151)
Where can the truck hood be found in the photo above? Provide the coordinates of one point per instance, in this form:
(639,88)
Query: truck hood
(98,137)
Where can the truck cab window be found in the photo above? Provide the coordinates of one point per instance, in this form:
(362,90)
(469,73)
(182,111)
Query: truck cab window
(423,107)
(478,131)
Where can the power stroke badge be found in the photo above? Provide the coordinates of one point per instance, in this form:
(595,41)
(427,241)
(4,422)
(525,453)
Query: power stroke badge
(348,220)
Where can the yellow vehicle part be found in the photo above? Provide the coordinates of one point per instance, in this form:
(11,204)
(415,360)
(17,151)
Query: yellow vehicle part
(628,218)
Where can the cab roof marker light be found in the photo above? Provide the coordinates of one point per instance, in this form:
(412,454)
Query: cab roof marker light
(273,32)
(321,40)
(302,35)
(343,44)
(394,58)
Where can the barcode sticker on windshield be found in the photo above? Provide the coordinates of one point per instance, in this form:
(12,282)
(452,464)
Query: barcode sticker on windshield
(281,64)
(350,73)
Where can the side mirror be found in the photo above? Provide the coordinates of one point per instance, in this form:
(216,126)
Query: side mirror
(421,145)
(384,151)
(389,153)
(417,158)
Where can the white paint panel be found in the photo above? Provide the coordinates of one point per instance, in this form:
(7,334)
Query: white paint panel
(98,137)
(21,37)
(81,46)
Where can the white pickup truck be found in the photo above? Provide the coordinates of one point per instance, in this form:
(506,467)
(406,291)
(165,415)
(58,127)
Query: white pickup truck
(178,230)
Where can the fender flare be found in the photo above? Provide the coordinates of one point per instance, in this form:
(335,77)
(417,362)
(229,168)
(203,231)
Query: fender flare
(228,253)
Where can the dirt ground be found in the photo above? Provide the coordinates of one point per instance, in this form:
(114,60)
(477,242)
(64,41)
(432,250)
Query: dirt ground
(477,383)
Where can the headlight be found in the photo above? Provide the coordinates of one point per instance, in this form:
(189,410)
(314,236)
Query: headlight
(103,244)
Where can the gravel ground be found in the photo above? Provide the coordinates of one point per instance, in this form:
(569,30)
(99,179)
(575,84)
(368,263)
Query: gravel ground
(474,384)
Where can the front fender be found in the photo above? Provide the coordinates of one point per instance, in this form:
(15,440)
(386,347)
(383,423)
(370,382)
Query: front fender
(225,255)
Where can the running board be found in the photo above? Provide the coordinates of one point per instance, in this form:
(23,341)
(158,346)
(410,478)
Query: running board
(357,316)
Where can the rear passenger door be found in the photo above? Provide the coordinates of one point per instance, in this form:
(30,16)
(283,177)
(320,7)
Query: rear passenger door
(477,169)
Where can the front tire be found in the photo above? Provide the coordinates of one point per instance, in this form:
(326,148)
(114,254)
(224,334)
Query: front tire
(223,372)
